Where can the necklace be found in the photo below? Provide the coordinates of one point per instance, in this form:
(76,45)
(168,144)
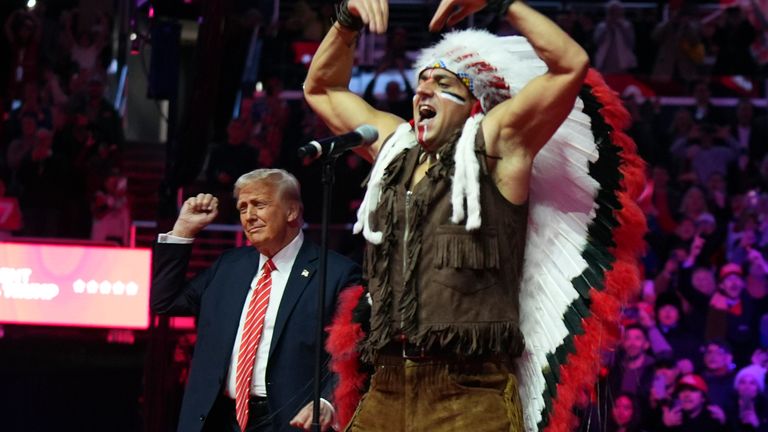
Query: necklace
(424,155)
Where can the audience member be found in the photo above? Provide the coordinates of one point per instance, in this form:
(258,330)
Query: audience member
(678,42)
(85,44)
(396,100)
(625,414)
(733,37)
(23,32)
(615,41)
(732,316)
(747,410)
(691,411)
(718,370)
(669,313)
(632,369)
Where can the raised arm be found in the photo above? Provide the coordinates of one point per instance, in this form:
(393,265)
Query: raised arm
(528,120)
(327,86)
(516,129)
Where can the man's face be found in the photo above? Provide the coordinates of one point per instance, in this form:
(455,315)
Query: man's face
(704,281)
(668,315)
(691,400)
(441,106)
(716,358)
(268,220)
(732,285)
(634,343)
(686,229)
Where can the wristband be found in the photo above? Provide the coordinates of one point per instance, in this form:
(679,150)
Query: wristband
(500,6)
(345,18)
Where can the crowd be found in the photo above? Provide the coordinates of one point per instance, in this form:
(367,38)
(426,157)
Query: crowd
(61,138)
(693,353)
(685,42)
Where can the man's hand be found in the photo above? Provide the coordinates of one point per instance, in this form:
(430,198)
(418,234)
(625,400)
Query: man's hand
(756,260)
(717,413)
(450,12)
(672,416)
(719,302)
(196,213)
(374,13)
(304,418)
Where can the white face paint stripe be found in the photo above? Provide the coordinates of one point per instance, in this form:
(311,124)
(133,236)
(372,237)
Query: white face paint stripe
(451,97)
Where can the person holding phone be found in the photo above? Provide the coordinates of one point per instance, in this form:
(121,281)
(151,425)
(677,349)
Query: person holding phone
(691,410)
(749,409)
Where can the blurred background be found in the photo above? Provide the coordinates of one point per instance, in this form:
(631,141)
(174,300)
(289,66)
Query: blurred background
(113,112)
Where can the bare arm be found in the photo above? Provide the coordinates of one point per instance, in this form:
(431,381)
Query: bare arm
(327,86)
(516,129)
(528,120)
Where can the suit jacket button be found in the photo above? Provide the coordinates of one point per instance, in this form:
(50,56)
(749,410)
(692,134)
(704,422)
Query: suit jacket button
(202,418)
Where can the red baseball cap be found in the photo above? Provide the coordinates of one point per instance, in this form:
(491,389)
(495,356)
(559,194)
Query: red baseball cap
(692,381)
(730,269)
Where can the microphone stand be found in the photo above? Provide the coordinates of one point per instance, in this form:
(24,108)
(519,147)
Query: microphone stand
(328,179)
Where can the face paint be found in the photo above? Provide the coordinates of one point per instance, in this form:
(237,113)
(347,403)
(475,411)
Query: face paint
(453,97)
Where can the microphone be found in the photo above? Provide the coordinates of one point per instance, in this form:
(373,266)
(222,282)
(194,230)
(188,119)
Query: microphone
(364,135)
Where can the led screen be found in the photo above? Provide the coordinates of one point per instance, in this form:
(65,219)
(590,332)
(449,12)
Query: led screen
(81,286)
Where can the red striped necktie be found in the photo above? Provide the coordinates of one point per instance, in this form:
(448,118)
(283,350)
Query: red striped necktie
(246,357)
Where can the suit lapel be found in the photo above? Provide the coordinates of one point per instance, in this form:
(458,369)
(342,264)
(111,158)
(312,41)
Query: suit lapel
(241,274)
(302,272)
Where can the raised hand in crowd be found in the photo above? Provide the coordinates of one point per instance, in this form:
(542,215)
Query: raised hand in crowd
(672,416)
(717,413)
(756,261)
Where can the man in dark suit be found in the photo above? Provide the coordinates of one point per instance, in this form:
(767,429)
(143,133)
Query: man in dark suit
(275,390)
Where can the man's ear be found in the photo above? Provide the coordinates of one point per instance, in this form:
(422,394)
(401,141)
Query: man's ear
(294,210)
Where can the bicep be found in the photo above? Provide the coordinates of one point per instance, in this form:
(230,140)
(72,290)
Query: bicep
(343,111)
(532,116)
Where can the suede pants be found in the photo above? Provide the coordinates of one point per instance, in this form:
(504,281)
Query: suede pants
(438,395)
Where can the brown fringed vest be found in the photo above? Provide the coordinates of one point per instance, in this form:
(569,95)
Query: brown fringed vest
(443,286)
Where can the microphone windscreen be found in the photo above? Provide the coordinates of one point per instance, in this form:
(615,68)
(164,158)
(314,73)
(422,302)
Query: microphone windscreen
(369,134)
